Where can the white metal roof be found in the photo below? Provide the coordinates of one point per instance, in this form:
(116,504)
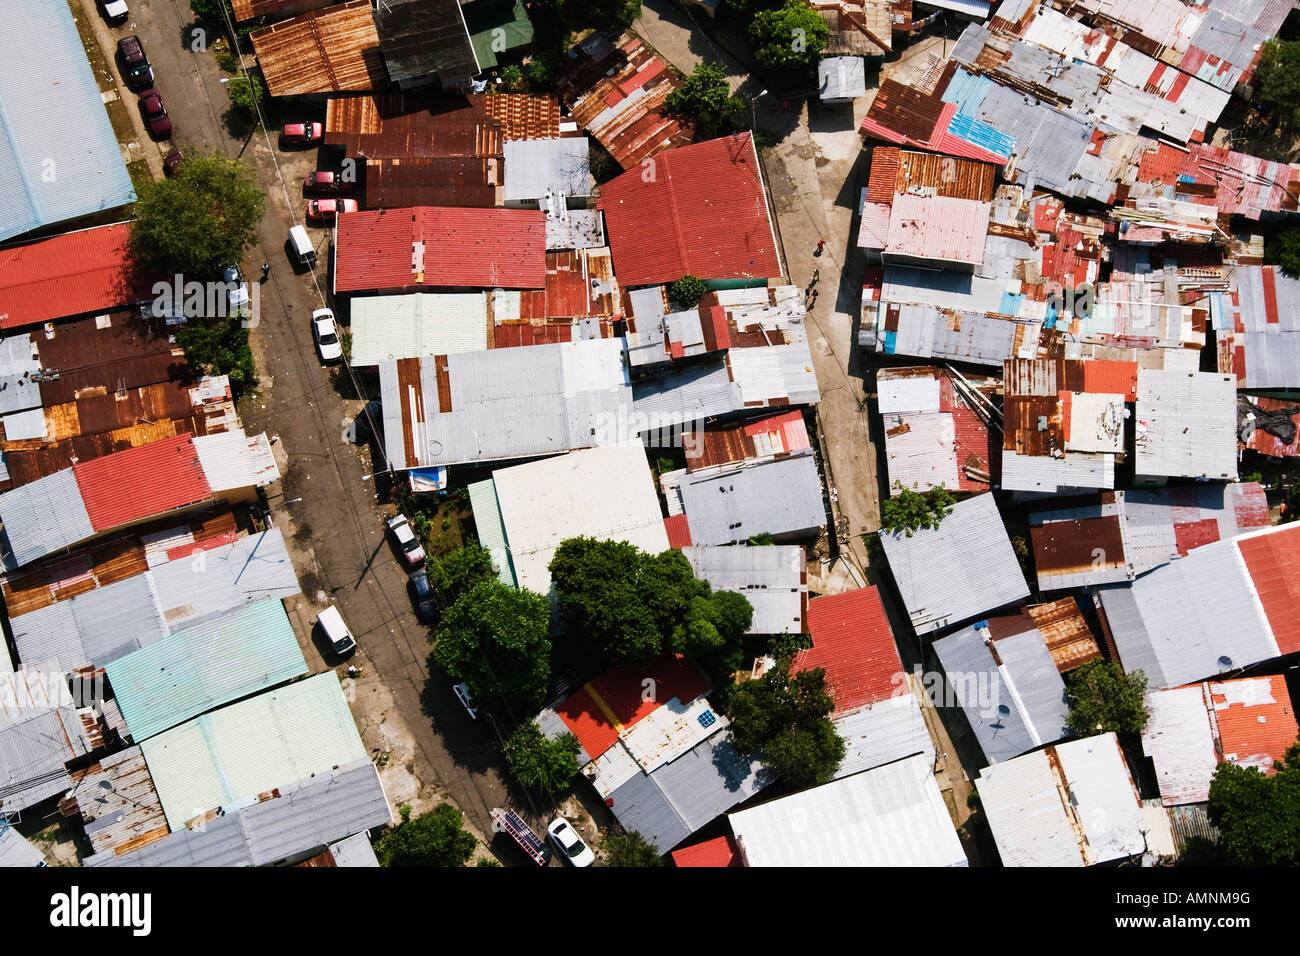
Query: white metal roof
(883,732)
(1180,742)
(890,816)
(411,326)
(921,449)
(772,578)
(841,77)
(1186,424)
(538,167)
(232,460)
(604,492)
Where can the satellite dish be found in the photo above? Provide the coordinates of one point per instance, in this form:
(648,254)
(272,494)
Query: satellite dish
(106,785)
(1225,662)
(1003,710)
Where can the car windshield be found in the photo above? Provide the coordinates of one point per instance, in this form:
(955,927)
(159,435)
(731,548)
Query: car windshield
(328,338)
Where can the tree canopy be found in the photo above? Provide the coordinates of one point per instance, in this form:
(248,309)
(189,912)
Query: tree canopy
(624,607)
(785,718)
(911,510)
(630,849)
(788,40)
(245,93)
(431,839)
(198,220)
(1283,249)
(1103,699)
(609,16)
(221,348)
(209,11)
(545,765)
(1258,816)
(1277,78)
(497,640)
(687,292)
(705,97)
(456,573)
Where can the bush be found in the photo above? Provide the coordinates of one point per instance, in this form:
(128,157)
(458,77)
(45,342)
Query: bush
(686,292)
(545,765)
(630,849)
(1283,249)
(909,510)
(431,839)
(788,41)
(705,97)
(1277,78)
(221,349)
(245,93)
(1103,699)
(210,11)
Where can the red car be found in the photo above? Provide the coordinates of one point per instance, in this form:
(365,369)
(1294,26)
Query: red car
(327,181)
(173,160)
(155,116)
(302,134)
(324,210)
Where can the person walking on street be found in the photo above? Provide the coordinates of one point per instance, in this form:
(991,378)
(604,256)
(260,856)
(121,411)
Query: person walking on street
(817,274)
(266,270)
(820,244)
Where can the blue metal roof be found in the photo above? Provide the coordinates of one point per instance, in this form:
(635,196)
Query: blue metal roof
(59,157)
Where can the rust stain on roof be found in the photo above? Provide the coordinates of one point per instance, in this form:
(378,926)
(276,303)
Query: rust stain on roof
(324,51)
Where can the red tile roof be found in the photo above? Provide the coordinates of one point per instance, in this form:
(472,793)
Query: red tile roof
(619,698)
(141,482)
(73,274)
(722,851)
(853,643)
(679,531)
(428,247)
(699,210)
(1273,562)
(1256,732)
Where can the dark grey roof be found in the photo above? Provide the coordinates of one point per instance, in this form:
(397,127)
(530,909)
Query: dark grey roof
(423,37)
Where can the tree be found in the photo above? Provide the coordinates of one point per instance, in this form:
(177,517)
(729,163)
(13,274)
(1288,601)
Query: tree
(546,765)
(431,839)
(1103,699)
(686,292)
(630,849)
(785,718)
(1283,249)
(459,571)
(608,16)
(496,639)
(221,348)
(788,40)
(1258,816)
(209,11)
(909,510)
(705,97)
(197,221)
(1277,78)
(245,93)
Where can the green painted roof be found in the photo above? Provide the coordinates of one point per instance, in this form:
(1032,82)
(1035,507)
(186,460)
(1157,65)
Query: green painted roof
(484,18)
(228,757)
(491,529)
(205,665)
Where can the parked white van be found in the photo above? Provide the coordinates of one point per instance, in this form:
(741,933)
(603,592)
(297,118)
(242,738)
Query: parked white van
(340,638)
(304,253)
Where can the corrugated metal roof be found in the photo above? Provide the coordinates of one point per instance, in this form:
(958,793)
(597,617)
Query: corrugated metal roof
(232,460)
(963,568)
(718,852)
(54,171)
(1073,804)
(773,579)
(1271,560)
(841,77)
(131,817)
(1186,424)
(491,530)
(710,213)
(736,504)
(204,665)
(43,517)
(16,851)
(671,730)
(214,580)
(544,502)
(890,816)
(937,228)
(33,754)
(324,51)
(881,733)
(537,168)
(92,628)
(706,781)
(141,482)
(434,247)
(422,39)
(852,642)
(228,757)
(308,814)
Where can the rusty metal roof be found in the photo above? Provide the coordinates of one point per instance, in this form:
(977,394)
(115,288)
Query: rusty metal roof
(252,9)
(950,176)
(130,817)
(324,51)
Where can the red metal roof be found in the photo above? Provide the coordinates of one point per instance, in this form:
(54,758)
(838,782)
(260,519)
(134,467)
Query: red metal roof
(722,851)
(679,531)
(1273,561)
(519,334)
(1254,732)
(138,483)
(439,247)
(699,210)
(853,643)
(1111,378)
(73,274)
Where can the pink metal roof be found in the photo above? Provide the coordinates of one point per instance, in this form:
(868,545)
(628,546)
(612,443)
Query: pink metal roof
(938,227)
(435,247)
(697,210)
(141,482)
(853,643)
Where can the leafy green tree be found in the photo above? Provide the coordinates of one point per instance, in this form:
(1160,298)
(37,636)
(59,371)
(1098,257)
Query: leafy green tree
(910,510)
(497,640)
(220,348)
(788,40)
(210,11)
(545,765)
(609,16)
(705,97)
(246,92)
(785,718)
(686,292)
(1277,78)
(1283,249)
(459,571)
(198,220)
(1258,816)
(1103,699)
(431,839)
(630,849)
(512,79)
(762,539)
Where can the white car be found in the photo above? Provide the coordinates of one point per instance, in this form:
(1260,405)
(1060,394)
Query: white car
(236,288)
(115,11)
(406,539)
(569,844)
(462,694)
(326,335)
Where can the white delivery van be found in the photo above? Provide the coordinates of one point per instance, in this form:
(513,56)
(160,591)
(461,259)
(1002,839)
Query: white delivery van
(340,638)
(304,253)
